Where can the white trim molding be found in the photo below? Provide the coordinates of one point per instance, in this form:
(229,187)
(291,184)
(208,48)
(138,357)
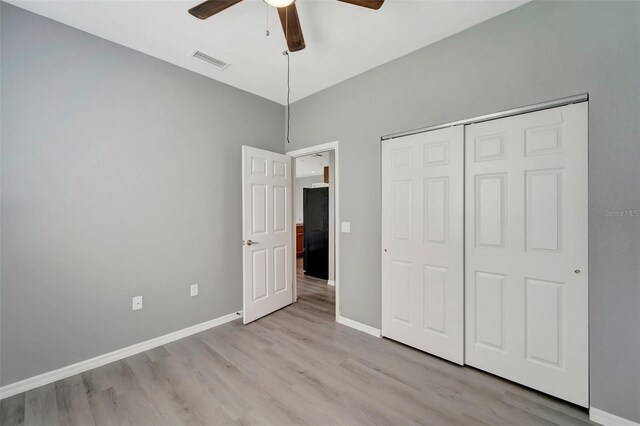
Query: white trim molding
(329,146)
(332,283)
(359,326)
(608,419)
(100,360)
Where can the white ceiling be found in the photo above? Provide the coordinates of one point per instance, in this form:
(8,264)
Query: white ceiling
(311,165)
(342,40)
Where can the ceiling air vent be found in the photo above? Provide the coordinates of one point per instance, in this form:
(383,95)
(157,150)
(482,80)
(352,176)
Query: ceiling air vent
(210,60)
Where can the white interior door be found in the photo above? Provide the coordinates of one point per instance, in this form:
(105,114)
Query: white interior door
(422,241)
(266,232)
(526,250)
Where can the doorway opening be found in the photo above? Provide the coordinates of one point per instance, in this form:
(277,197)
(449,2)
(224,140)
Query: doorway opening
(315,217)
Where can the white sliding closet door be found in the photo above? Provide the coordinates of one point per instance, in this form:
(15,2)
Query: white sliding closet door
(422,241)
(526,250)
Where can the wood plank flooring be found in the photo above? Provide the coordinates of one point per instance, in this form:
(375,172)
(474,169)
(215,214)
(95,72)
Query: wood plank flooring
(294,367)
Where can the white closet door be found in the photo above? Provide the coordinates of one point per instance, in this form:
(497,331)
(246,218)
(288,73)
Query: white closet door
(526,250)
(422,241)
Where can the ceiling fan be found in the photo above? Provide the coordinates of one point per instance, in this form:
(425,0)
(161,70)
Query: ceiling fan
(286,11)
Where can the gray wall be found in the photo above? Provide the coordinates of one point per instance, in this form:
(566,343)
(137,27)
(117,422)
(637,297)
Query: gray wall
(120,177)
(538,52)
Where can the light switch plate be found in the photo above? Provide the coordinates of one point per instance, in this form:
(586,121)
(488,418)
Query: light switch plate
(345,227)
(137,303)
(193,290)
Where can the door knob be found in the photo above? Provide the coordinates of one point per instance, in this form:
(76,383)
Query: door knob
(250,243)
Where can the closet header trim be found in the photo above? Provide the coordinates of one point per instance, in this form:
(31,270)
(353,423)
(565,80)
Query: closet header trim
(502,114)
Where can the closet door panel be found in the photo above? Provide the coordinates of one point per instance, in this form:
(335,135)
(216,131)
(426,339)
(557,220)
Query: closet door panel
(526,250)
(422,257)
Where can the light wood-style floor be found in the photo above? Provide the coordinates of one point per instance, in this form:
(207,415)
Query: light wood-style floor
(294,367)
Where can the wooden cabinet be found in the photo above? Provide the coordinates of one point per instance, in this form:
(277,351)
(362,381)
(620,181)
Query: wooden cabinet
(299,240)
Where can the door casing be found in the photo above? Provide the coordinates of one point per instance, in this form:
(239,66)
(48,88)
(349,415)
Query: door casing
(315,149)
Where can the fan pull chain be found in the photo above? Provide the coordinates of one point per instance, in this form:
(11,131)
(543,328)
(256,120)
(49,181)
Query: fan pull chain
(267,10)
(286,53)
(286,33)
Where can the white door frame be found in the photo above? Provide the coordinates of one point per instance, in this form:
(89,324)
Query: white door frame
(315,149)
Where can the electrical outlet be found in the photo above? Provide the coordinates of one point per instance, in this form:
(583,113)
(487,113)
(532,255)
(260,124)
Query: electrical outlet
(194,290)
(345,227)
(137,303)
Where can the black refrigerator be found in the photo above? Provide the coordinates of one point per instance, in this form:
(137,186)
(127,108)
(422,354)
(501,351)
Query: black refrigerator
(315,212)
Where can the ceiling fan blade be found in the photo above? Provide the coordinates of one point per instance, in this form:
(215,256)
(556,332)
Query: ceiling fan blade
(291,27)
(211,7)
(369,4)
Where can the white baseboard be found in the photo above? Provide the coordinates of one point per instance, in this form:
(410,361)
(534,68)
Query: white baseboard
(359,326)
(331,283)
(100,360)
(608,419)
